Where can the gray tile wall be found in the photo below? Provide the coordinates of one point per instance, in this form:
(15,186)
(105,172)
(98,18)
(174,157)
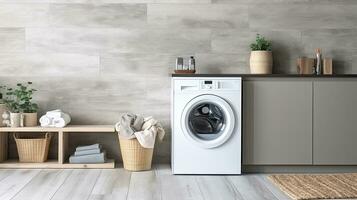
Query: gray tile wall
(99,58)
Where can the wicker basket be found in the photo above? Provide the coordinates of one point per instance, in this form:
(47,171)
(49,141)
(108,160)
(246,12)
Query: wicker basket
(135,157)
(33,150)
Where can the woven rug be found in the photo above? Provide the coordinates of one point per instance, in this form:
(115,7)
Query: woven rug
(317,186)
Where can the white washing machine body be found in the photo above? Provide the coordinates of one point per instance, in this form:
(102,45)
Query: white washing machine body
(206,121)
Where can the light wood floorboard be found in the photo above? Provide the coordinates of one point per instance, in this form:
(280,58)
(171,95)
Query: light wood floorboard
(45,183)
(118,184)
(15,182)
(78,185)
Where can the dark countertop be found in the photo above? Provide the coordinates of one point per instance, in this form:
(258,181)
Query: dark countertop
(268,75)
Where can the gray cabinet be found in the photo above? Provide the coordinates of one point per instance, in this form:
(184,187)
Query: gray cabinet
(335,122)
(277,122)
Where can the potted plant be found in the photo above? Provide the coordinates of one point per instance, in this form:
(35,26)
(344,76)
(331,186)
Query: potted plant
(19,102)
(261,57)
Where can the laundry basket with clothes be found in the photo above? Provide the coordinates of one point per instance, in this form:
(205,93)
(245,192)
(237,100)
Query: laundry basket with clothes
(137,137)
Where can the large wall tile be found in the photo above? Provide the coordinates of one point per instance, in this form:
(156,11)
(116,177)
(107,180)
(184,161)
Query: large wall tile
(198,16)
(125,1)
(222,63)
(329,39)
(144,65)
(286,45)
(231,41)
(48,65)
(98,15)
(12,40)
(23,15)
(94,41)
(302,16)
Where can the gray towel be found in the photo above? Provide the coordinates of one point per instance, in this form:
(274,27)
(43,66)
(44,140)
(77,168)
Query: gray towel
(93,146)
(129,124)
(87,159)
(87,152)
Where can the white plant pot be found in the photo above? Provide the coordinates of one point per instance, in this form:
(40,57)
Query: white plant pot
(16,119)
(261,62)
(3,109)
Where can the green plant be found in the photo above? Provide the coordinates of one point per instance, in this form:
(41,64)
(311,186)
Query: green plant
(20,98)
(2,88)
(261,44)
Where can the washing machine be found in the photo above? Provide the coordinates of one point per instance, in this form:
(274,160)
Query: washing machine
(206,123)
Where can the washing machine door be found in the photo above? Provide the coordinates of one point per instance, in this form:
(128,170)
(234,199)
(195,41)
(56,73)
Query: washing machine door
(208,121)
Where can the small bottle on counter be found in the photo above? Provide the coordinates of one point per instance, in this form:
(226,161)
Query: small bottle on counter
(318,68)
(179,63)
(192,63)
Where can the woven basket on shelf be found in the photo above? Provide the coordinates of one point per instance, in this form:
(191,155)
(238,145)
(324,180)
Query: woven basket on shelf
(135,157)
(33,149)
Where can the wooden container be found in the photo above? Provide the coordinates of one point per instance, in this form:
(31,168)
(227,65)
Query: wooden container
(261,62)
(135,157)
(305,65)
(3,146)
(327,66)
(185,71)
(33,150)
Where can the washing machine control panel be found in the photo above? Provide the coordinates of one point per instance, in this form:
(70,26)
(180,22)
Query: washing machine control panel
(209,84)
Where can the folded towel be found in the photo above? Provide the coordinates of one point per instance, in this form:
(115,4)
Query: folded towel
(87,152)
(45,121)
(93,158)
(88,147)
(61,121)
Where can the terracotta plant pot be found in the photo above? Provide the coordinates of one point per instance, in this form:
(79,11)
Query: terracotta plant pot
(30,119)
(261,62)
(3,109)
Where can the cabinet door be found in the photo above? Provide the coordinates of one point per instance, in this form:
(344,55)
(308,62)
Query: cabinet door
(277,122)
(335,122)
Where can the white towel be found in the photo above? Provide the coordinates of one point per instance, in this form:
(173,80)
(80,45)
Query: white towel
(55,113)
(55,118)
(146,137)
(151,128)
(61,122)
(45,121)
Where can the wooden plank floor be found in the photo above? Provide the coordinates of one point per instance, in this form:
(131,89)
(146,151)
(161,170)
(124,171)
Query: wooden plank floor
(116,184)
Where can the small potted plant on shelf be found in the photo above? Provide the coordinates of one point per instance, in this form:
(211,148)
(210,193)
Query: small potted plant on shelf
(19,102)
(261,57)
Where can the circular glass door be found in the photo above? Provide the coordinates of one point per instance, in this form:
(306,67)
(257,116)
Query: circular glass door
(208,121)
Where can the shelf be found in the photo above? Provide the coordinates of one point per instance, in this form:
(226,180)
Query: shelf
(53,164)
(63,152)
(69,128)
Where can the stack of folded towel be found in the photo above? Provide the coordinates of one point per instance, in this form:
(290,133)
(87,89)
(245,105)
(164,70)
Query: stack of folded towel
(55,118)
(88,154)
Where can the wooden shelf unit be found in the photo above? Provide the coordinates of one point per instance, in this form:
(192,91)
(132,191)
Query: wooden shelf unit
(63,134)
